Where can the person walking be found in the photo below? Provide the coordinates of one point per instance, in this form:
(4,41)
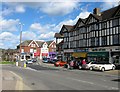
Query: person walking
(83,63)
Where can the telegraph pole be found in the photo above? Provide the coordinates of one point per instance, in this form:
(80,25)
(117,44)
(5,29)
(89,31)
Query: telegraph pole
(21,26)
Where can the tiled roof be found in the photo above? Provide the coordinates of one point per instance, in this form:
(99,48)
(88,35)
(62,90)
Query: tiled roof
(26,43)
(58,35)
(69,27)
(109,13)
(49,42)
(40,43)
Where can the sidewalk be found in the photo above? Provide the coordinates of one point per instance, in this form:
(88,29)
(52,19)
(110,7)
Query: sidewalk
(112,72)
(12,81)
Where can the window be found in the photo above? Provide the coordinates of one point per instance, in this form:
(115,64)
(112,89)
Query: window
(104,40)
(114,30)
(115,22)
(111,41)
(22,50)
(97,41)
(115,39)
(35,50)
(31,50)
(108,32)
(96,33)
(92,41)
(119,38)
(108,40)
(99,33)
(103,33)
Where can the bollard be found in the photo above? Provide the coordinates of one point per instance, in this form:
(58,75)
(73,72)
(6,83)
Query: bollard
(16,63)
(24,64)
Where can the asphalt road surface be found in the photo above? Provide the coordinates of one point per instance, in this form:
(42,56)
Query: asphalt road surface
(36,77)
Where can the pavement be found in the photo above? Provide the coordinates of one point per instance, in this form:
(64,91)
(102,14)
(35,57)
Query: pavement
(11,81)
(111,72)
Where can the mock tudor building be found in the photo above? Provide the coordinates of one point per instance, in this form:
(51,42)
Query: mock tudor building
(96,37)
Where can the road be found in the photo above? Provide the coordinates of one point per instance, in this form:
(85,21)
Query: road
(43,78)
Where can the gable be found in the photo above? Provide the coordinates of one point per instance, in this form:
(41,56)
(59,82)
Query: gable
(45,45)
(91,19)
(63,29)
(79,23)
(33,44)
(53,44)
(117,13)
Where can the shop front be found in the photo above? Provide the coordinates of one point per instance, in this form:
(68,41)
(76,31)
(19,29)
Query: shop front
(79,54)
(98,56)
(68,54)
(52,55)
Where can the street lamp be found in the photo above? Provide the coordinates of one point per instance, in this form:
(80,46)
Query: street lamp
(21,27)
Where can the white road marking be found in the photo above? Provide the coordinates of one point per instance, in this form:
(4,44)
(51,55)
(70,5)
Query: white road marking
(19,84)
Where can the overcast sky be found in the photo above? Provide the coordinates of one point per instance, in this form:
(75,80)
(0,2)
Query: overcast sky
(42,19)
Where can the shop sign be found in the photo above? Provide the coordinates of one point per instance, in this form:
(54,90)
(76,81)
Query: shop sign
(69,50)
(98,54)
(81,50)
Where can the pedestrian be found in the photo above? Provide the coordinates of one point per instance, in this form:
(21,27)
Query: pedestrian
(83,62)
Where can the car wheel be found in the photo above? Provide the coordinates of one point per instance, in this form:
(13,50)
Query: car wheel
(91,68)
(102,69)
(113,68)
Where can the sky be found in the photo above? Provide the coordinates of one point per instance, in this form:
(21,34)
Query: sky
(42,19)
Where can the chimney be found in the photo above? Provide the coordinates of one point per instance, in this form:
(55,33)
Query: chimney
(97,11)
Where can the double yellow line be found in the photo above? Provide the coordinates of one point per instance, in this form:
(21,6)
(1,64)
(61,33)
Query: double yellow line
(19,83)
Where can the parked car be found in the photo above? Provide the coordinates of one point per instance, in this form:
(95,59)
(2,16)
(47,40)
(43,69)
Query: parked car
(102,66)
(74,65)
(89,65)
(45,60)
(53,61)
(117,64)
(29,62)
(60,63)
(34,60)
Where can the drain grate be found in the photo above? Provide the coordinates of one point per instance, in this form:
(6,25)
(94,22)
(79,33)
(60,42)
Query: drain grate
(32,83)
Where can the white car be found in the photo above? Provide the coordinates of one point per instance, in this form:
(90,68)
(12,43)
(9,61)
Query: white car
(89,65)
(103,66)
(29,62)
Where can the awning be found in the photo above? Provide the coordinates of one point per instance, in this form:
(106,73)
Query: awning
(44,54)
(79,54)
(98,54)
(37,54)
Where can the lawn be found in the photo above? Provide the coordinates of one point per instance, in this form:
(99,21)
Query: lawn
(7,62)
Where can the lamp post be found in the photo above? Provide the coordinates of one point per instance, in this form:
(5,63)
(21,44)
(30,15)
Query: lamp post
(21,26)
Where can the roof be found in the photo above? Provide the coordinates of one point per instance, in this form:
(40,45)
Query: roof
(49,42)
(68,27)
(58,35)
(109,13)
(40,43)
(25,43)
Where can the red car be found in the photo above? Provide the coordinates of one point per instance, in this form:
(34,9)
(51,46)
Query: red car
(60,63)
